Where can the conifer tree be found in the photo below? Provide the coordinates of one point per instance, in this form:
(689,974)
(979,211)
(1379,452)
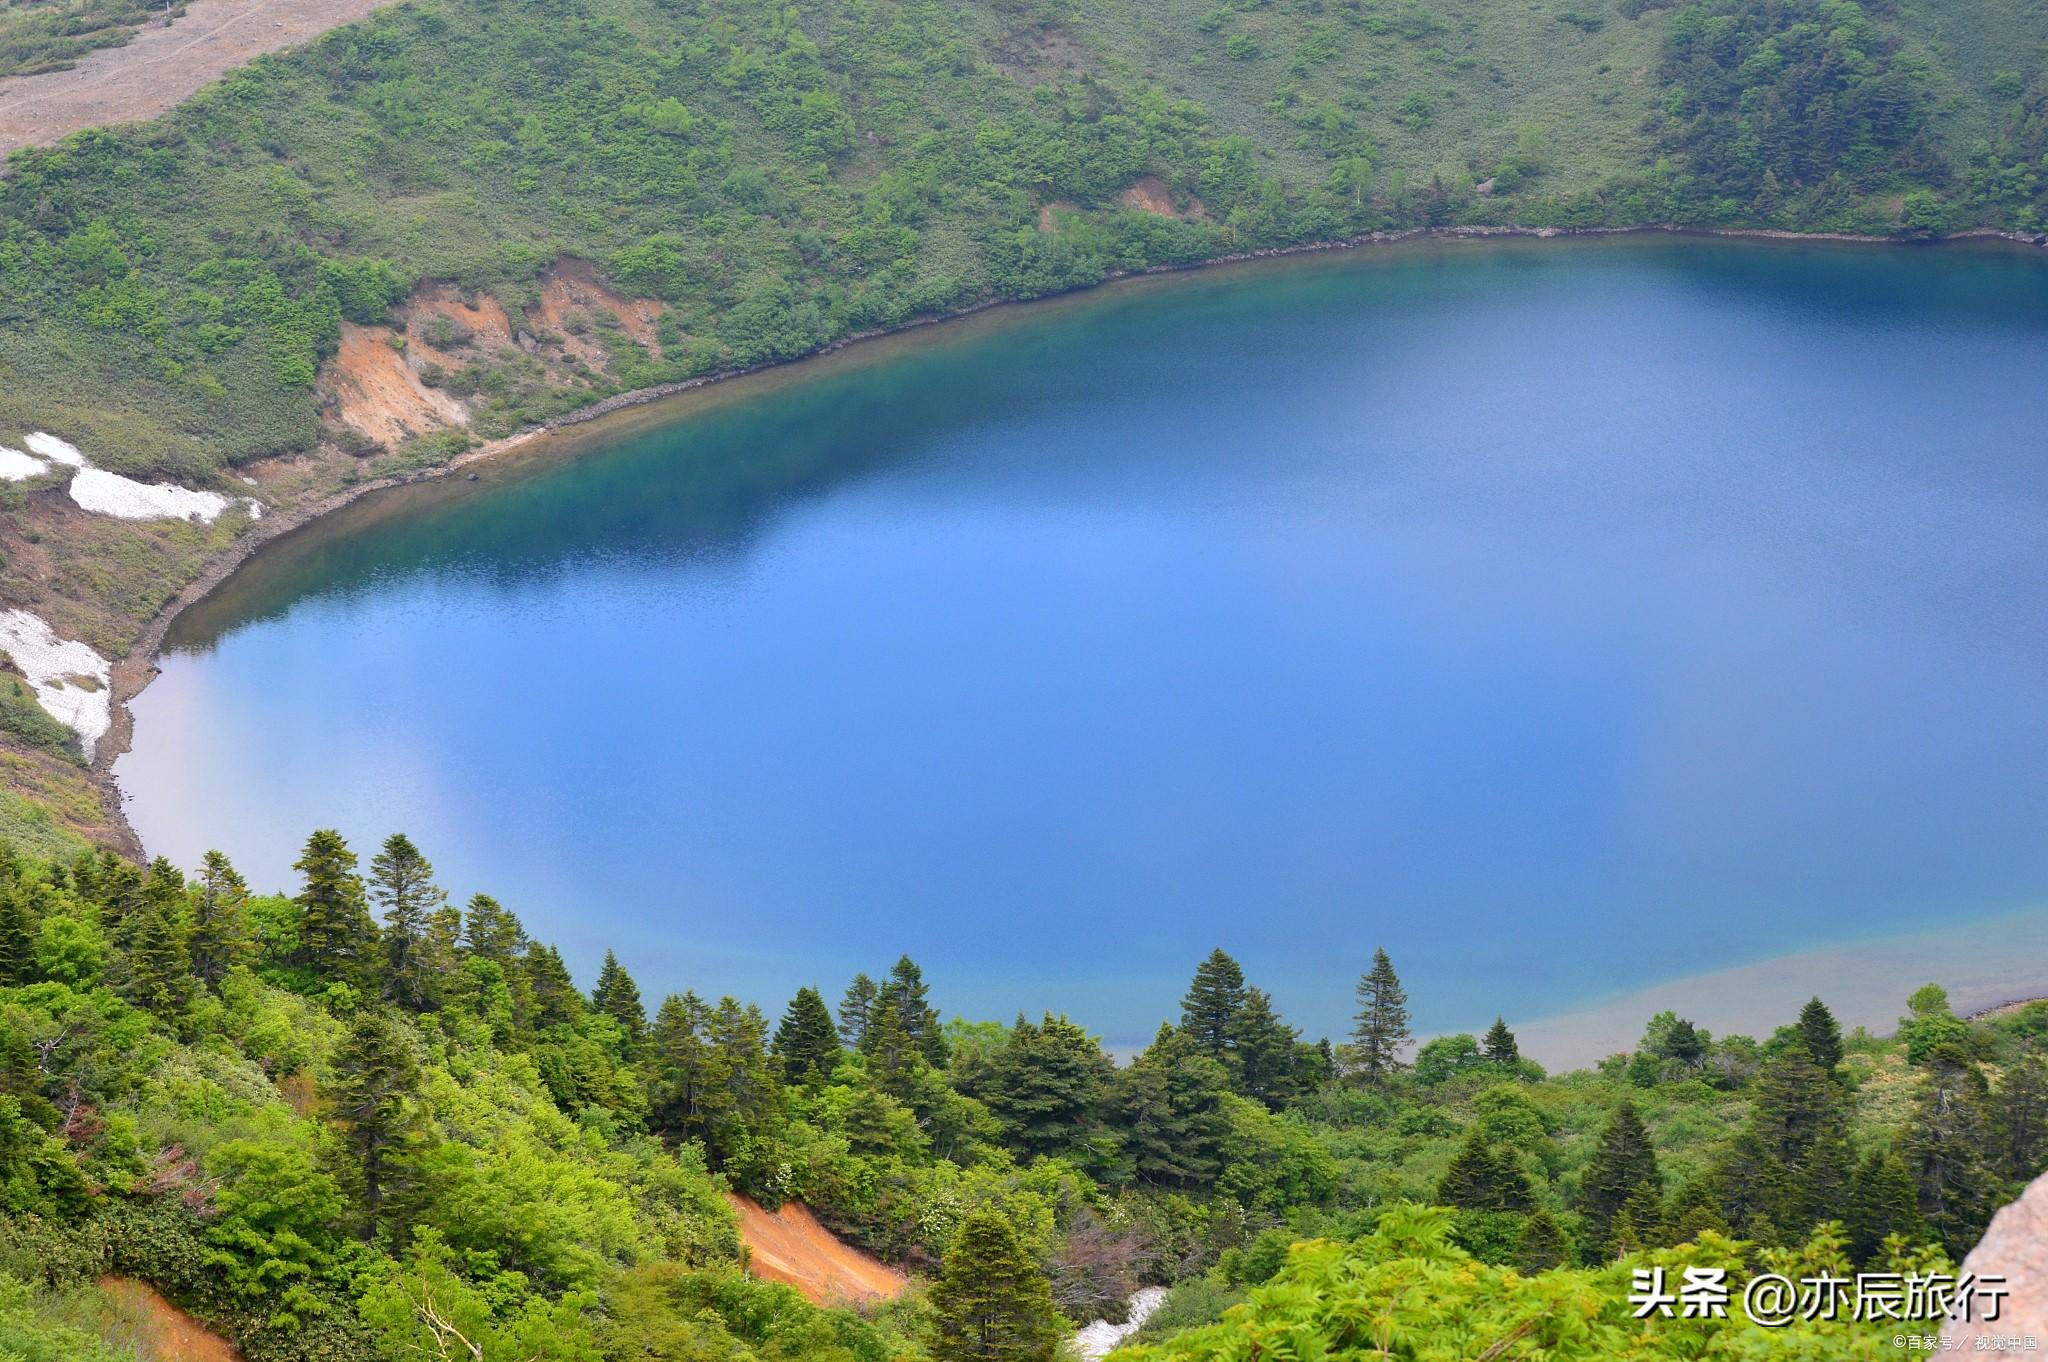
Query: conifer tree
(402,886)
(1382,1031)
(1047,1087)
(618,997)
(854,1010)
(220,921)
(1484,1178)
(991,1302)
(336,936)
(1624,1162)
(1882,1202)
(17,935)
(806,1042)
(1543,1245)
(1265,1053)
(1950,1148)
(160,961)
(2023,1112)
(375,1078)
(677,1065)
(893,1055)
(920,1021)
(491,932)
(1821,1034)
(1209,1011)
(1499,1045)
(1169,1107)
(555,999)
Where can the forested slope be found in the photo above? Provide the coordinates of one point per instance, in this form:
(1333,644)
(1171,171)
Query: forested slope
(355,1123)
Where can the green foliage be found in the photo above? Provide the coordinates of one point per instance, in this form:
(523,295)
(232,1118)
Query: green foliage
(991,1303)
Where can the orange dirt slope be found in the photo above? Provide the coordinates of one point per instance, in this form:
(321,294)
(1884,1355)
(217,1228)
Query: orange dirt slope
(790,1246)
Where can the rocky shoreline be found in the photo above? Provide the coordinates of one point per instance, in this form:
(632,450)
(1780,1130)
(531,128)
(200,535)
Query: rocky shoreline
(133,672)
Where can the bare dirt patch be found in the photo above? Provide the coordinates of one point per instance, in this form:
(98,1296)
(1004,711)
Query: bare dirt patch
(161,66)
(375,391)
(572,289)
(1150,194)
(158,1330)
(790,1246)
(441,320)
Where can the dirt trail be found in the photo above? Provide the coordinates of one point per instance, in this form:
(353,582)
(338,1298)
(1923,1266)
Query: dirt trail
(161,66)
(790,1246)
(160,1330)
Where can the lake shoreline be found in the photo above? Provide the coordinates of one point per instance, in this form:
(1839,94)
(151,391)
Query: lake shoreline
(139,666)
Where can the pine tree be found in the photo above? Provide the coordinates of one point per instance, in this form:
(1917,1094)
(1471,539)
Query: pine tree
(806,1042)
(1801,1126)
(493,933)
(1047,1087)
(375,1078)
(1265,1052)
(1209,1012)
(1382,1031)
(1484,1178)
(402,885)
(677,1065)
(855,1009)
(1543,1246)
(618,997)
(893,1055)
(1499,1045)
(991,1302)
(1624,1162)
(1821,1035)
(336,936)
(220,921)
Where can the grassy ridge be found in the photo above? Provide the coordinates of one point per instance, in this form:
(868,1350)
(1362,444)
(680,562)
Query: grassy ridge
(781,177)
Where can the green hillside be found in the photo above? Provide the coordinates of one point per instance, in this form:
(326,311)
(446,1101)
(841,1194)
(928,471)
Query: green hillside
(334,1123)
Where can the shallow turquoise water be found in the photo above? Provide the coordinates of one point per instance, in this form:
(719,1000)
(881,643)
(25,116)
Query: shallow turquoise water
(1562,617)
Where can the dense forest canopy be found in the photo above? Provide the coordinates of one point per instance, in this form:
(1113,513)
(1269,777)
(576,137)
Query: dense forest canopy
(335,1122)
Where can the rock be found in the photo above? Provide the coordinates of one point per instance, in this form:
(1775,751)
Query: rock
(2015,1248)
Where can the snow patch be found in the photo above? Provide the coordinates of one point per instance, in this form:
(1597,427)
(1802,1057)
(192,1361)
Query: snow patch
(16,466)
(1102,1338)
(56,450)
(95,489)
(55,669)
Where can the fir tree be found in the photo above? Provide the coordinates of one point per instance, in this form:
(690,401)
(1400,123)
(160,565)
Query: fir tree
(1624,1162)
(906,988)
(555,999)
(1482,1177)
(855,1009)
(991,1302)
(1169,1106)
(1047,1086)
(160,961)
(17,934)
(1543,1245)
(893,1055)
(493,933)
(1820,1034)
(618,997)
(220,921)
(375,1078)
(1950,1148)
(1209,1012)
(1882,1202)
(679,1069)
(1499,1046)
(402,885)
(1265,1052)
(2023,1112)
(336,936)
(806,1042)
(1382,1031)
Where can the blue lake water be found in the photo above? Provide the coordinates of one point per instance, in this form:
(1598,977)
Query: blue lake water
(1561,617)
